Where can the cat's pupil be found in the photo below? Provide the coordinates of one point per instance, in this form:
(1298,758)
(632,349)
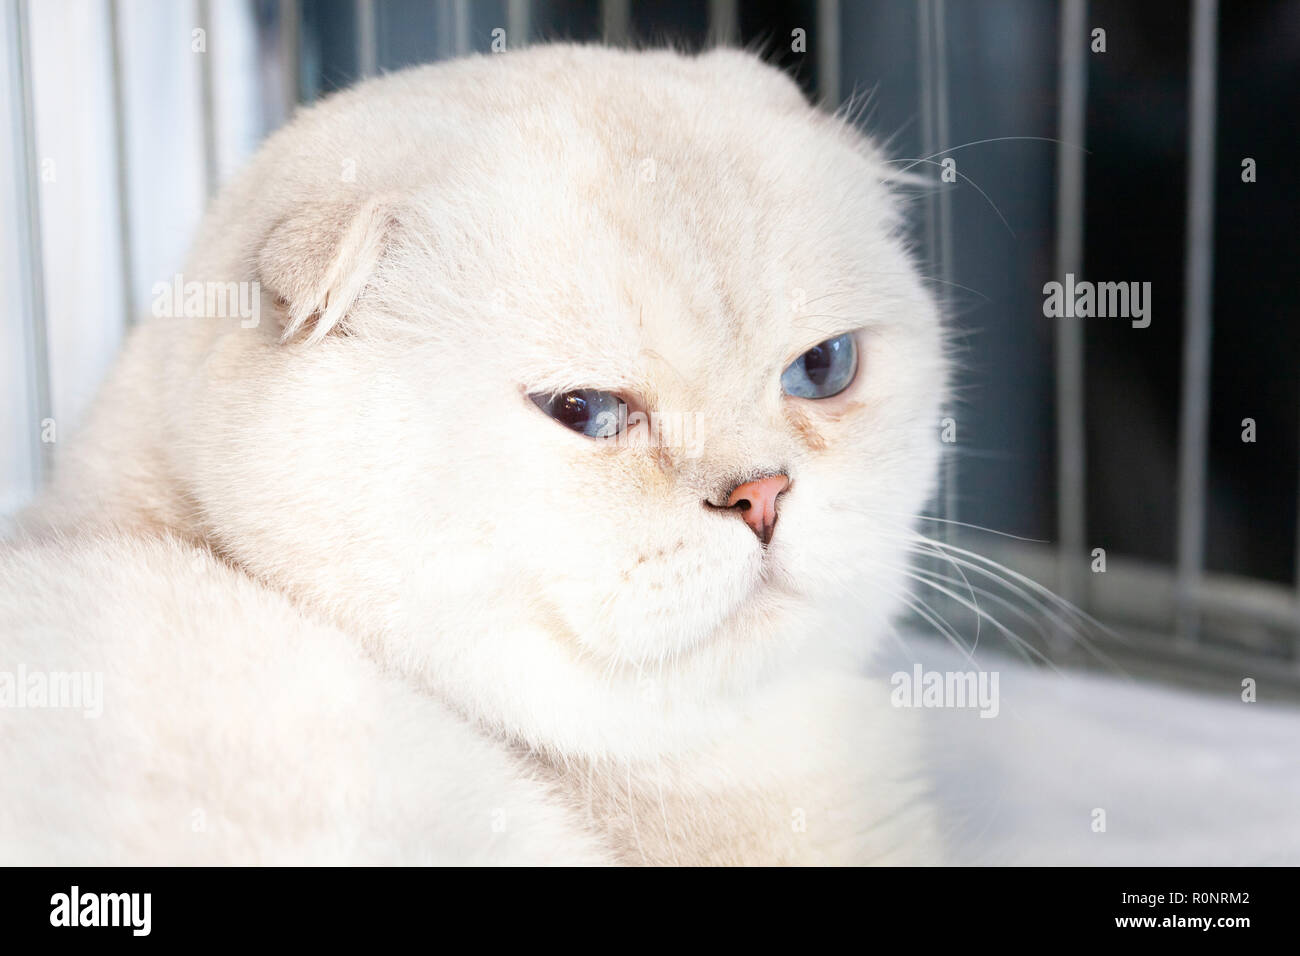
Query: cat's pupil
(590,411)
(817,364)
(572,410)
(824,370)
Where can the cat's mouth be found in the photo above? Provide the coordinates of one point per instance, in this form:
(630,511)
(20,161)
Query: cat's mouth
(774,577)
(774,593)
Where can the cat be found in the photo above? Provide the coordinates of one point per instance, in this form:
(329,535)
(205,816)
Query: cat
(395,573)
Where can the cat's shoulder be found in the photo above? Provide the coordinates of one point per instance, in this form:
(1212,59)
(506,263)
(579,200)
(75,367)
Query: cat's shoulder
(159,706)
(61,588)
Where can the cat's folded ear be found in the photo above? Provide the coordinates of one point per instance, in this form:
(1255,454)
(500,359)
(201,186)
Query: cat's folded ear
(317,261)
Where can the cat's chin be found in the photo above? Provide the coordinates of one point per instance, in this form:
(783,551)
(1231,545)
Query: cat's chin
(539,686)
(761,617)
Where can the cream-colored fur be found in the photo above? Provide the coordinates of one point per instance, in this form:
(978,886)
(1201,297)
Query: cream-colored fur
(356,598)
(236,730)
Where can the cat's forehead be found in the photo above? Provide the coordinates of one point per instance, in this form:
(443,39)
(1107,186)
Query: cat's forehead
(677,222)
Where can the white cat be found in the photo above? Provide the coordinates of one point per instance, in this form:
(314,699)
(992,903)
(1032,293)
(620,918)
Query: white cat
(375,580)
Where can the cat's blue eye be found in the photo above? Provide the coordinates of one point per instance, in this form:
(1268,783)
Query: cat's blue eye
(587,410)
(824,370)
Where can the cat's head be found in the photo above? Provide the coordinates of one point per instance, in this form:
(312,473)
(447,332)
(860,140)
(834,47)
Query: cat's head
(466,270)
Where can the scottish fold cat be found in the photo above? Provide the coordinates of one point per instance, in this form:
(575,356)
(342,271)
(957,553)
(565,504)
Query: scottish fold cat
(547,512)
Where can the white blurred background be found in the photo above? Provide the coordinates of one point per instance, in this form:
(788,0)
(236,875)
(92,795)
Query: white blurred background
(102,249)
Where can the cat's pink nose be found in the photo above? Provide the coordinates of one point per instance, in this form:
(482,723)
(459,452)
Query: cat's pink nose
(756,502)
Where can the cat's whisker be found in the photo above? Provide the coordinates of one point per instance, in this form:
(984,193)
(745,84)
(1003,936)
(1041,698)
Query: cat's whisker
(1063,616)
(1003,575)
(941,281)
(929,615)
(927,548)
(982,142)
(966,581)
(976,187)
(919,516)
(1028,582)
(1015,639)
(1060,622)
(990,595)
(1040,597)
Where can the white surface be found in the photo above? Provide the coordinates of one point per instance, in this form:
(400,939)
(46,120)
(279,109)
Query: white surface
(1185,778)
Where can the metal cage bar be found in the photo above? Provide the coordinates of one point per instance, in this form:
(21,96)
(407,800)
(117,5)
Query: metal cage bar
(121,163)
(207,104)
(1072,94)
(460,24)
(828,52)
(948,473)
(615,19)
(1198,293)
(519,22)
(933,91)
(291,54)
(724,22)
(367,38)
(29,247)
